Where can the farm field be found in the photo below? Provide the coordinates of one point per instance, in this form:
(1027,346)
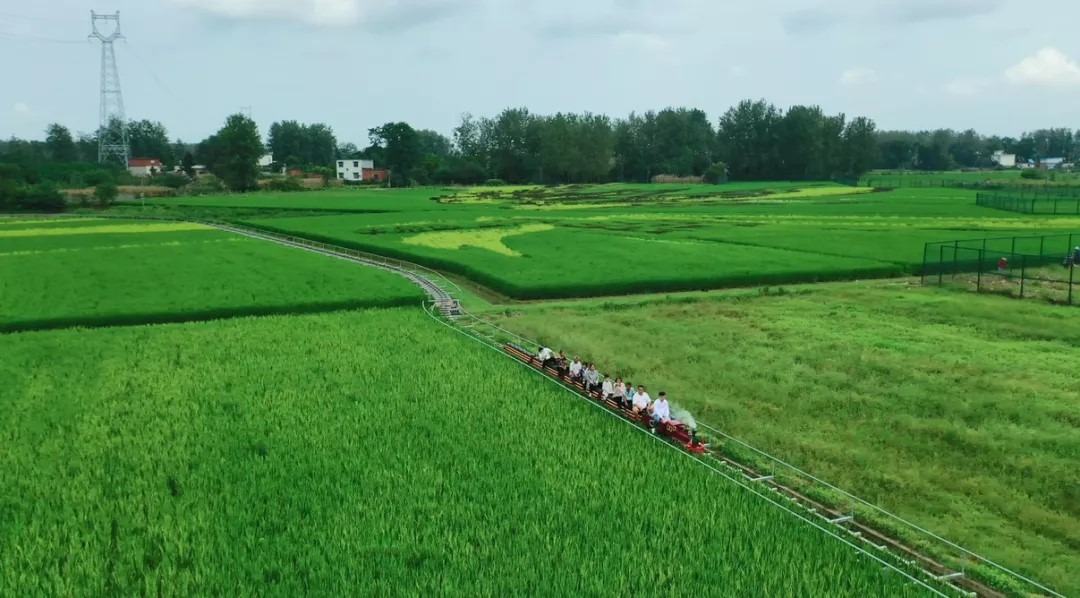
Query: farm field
(336,200)
(953,410)
(565,250)
(68,272)
(227,459)
(956,411)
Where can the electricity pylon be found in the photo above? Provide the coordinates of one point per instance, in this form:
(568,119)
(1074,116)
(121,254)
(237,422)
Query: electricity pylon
(112,138)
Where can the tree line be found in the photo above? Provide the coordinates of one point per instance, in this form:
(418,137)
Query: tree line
(753,140)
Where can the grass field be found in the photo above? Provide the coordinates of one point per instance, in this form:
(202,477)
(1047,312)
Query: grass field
(229,462)
(956,411)
(59,274)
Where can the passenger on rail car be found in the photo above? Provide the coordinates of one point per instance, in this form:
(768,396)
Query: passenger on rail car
(592,378)
(630,394)
(607,389)
(642,400)
(545,356)
(620,393)
(661,411)
(561,364)
(575,368)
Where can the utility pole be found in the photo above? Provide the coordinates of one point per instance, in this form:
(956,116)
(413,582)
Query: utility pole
(112,141)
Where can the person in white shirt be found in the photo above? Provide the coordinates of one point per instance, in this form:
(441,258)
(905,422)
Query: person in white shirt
(608,389)
(642,400)
(575,368)
(661,411)
(545,355)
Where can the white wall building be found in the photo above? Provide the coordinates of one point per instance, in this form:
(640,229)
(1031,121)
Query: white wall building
(1002,159)
(353,170)
(266,161)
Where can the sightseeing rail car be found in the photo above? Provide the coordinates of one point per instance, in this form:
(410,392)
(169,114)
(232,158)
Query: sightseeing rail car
(673,430)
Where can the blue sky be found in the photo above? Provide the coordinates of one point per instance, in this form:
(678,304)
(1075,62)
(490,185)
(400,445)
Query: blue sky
(992,65)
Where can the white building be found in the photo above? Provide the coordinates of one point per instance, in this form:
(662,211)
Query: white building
(1002,159)
(266,161)
(353,170)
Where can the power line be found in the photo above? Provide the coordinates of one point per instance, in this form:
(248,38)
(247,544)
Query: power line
(51,19)
(32,38)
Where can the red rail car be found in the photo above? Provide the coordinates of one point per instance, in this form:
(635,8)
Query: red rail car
(673,430)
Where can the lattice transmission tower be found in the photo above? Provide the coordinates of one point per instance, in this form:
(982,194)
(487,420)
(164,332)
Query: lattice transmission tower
(112,129)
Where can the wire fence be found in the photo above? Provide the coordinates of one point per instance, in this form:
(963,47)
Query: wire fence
(1025,267)
(904,182)
(1031,202)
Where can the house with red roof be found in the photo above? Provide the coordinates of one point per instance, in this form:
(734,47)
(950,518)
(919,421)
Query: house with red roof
(144,166)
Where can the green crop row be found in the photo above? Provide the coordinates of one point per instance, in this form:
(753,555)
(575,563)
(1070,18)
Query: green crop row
(124,278)
(230,462)
(573,262)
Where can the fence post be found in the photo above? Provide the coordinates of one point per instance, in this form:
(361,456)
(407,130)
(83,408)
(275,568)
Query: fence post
(1023,274)
(941,260)
(978,275)
(1042,245)
(1072,270)
(1013,251)
(955,250)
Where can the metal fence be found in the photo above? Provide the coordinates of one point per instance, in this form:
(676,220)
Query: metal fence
(1039,266)
(1031,202)
(904,182)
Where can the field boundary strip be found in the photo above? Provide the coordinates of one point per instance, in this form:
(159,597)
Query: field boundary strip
(444,307)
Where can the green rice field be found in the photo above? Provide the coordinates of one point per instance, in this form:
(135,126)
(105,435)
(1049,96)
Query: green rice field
(94,273)
(601,246)
(228,461)
(190,411)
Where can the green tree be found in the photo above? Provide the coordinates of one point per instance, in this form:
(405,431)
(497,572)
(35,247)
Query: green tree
(148,139)
(860,146)
(321,145)
(716,173)
(347,151)
(187,164)
(59,144)
(237,149)
(87,147)
(748,140)
(801,144)
(106,193)
(401,149)
(302,145)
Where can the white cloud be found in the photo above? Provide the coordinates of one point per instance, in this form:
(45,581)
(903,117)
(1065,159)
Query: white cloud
(342,13)
(21,109)
(967,86)
(858,76)
(1048,66)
